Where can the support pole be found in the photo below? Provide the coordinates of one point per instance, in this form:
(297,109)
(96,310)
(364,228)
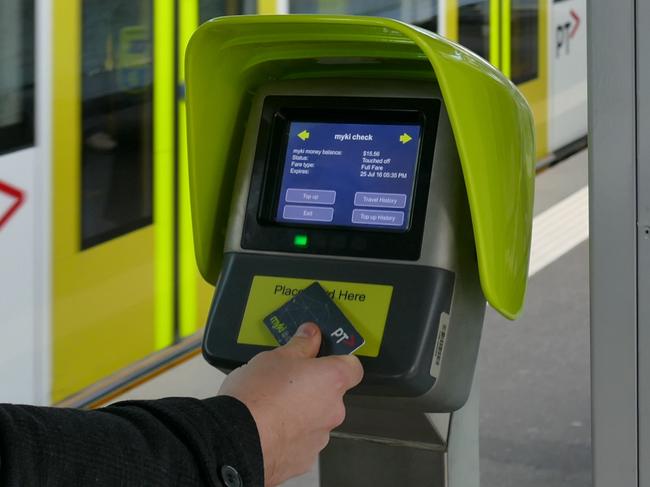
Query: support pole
(376,448)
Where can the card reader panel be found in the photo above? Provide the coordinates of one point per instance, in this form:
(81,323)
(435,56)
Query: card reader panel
(365,305)
(403,364)
(362,189)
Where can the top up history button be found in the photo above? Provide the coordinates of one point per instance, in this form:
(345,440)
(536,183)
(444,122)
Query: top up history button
(378,217)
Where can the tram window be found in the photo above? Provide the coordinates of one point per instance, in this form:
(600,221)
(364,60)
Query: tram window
(524,40)
(423,13)
(116,138)
(209,9)
(16,74)
(474,26)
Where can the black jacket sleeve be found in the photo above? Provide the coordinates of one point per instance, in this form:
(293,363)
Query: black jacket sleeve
(167,442)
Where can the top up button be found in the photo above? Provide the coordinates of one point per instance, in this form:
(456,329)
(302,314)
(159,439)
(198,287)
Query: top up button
(313,196)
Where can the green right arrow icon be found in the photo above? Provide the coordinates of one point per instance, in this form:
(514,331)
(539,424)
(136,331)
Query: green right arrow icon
(404,138)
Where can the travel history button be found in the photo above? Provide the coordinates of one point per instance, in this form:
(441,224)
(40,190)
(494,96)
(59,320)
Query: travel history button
(380,200)
(378,217)
(313,196)
(308,213)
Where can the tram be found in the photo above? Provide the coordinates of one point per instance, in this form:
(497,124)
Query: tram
(97,265)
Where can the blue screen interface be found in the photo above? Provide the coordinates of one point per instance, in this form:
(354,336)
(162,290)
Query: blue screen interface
(349,175)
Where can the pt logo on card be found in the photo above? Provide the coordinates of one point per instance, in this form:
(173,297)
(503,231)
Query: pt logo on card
(343,337)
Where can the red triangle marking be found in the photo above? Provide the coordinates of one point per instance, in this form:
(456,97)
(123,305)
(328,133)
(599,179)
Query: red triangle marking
(14,193)
(577,24)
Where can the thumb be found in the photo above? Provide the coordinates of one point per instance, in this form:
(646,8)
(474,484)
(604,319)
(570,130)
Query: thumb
(305,343)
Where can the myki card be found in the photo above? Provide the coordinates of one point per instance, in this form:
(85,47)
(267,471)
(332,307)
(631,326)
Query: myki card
(314,304)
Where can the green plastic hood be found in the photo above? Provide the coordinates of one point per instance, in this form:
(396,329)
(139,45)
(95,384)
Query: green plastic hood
(229,58)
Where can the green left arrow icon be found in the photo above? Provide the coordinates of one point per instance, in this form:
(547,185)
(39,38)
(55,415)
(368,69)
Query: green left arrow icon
(304,135)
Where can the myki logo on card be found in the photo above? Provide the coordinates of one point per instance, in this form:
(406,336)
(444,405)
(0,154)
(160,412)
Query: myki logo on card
(277,324)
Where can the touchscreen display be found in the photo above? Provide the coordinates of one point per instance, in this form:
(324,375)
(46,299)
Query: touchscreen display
(349,175)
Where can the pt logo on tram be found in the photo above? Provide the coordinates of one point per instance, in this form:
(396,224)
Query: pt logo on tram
(564,32)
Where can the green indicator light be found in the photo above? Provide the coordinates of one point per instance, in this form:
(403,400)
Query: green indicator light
(300,241)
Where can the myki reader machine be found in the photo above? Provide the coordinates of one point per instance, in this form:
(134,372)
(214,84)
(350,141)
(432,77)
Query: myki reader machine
(391,166)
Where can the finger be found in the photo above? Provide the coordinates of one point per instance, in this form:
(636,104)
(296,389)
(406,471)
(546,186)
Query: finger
(305,343)
(348,369)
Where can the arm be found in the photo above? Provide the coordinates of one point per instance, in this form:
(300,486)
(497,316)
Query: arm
(291,398)
(169,442)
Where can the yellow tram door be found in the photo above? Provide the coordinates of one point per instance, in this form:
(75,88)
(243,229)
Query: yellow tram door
(524,58)
(113,187)
(193,293)
(512,35)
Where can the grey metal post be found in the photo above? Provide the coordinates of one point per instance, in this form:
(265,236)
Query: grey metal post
(377,448)
(642,230)
(619,179)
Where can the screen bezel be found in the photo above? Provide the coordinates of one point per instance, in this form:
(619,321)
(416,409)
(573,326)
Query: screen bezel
(263,232)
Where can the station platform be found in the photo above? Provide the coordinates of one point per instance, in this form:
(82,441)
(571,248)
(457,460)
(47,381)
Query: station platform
(533,372)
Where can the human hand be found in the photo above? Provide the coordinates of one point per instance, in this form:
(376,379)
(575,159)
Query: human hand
(295,399)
